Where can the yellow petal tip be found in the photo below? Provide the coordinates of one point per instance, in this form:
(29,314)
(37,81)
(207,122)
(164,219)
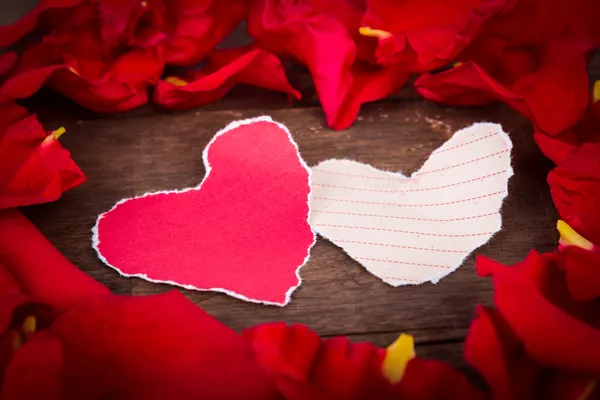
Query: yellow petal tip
(568,237)
(596,92)
(173,80)
(588,390)
(59,132)
(397,356)
(370,32)
(29,325)
(74,70)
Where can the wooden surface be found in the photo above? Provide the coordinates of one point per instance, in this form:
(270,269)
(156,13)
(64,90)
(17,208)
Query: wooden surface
(129,154)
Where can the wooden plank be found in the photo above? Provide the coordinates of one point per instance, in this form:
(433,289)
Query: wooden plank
(128,157)
(11,11)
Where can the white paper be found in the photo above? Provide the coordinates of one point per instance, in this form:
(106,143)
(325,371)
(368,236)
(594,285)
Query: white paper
(408,231)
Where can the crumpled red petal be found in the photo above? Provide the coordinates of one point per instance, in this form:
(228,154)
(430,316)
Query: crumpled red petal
(426,39)
(325,45)
(10,114)
(109,73)
(575,188)
(528,55)
(464,85)
(494,350)
(101,345)
(559,148)
(369,83)
(313,38)
(348,12)
(154,347)
(305,367)
(533,299)
(124,86)
(195,27)
(38,268)
(28,76)
(533,22)
(224,70)
(35,168)
(7,61)
(582,269)
(114,18)
(431,380)
(35,370)
(561,75)
(10,34)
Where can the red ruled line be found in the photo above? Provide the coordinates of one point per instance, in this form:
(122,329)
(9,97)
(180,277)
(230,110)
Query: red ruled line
(410,190)
(406,218)
(402,247)
(466,143)
(411,205)
(403,262)
(410,232)
(463,163)
(357,189)
(394,278)
(362,176)
(457,183)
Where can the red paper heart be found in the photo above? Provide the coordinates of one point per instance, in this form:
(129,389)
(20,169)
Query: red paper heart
(243,231)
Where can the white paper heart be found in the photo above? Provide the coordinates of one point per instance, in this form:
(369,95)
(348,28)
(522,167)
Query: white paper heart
(408,231)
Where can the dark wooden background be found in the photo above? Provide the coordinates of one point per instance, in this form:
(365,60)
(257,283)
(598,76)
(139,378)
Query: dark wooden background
(144,150)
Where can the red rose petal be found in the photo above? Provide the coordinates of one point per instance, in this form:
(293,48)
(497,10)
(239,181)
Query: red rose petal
(304,366)
(224,70)
(11,113)
(33,69)
(431,380)
(152,347)
(7,61)
(324,42)
(557,148)
(575,188)
(549,334)
(35,370)
(464,85)
(582,270)
(35,168)
(319,41)
(104,74)
(560,75)
(12,33)
(39,269)
(427,39)
(195,27)
(369,83)
(494,350)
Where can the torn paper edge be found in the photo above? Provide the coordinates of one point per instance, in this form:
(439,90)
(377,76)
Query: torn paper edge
(231,126)
(399,175)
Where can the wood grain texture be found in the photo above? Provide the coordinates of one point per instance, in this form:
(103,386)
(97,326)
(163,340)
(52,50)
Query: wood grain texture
(128,157)
(11,11)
